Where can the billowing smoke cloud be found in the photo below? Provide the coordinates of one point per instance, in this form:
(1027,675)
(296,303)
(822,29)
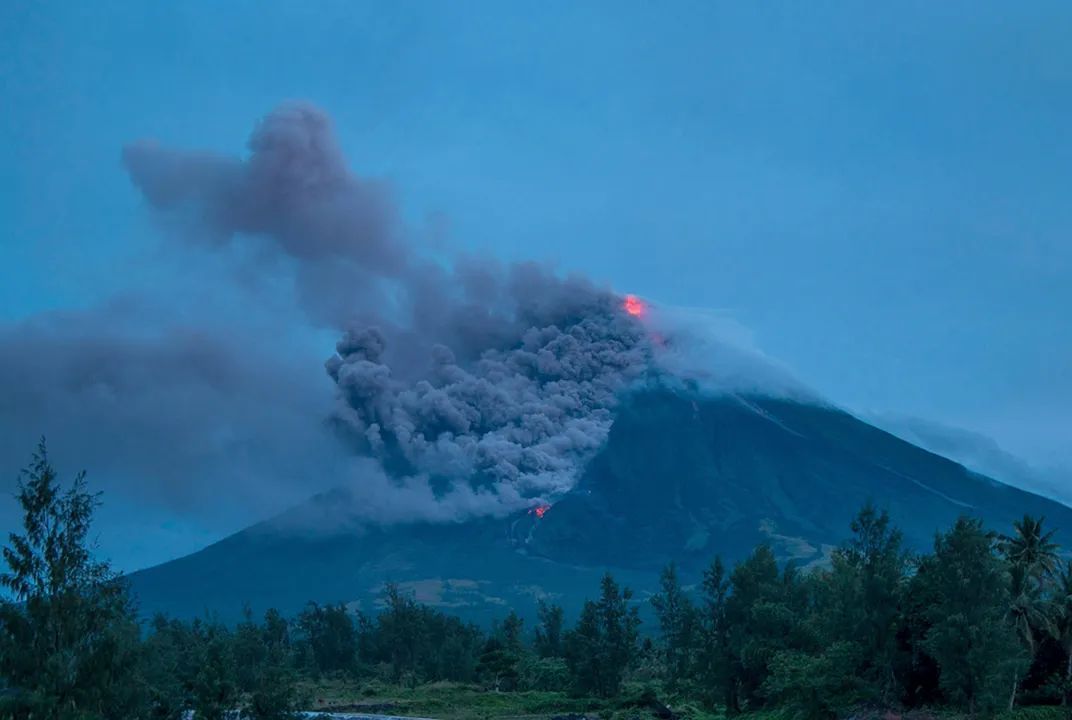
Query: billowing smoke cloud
(173,414)
(150,403)
(486,384)
(459,387)
(295,194)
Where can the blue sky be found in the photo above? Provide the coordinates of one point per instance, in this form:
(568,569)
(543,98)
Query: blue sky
(878,192)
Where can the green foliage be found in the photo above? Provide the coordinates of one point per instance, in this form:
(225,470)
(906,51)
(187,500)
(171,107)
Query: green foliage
(68,642)
(866,581)
(762,617)
(548,635)
(818,685)
(1032,560)
(537,673)
(845,642)
(712,670)
(328,634)
(457,701)
(604,643)
(497,667)
(1062,609)
(214,688)
(204,667)
(1034,713)
(1030,549)
(678,628)
(968,587)
(976,626)
(418,644)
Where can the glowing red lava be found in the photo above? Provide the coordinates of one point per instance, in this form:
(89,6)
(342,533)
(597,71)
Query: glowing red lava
(539,510)
(633,305)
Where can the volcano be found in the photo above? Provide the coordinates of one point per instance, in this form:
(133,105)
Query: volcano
(683,477)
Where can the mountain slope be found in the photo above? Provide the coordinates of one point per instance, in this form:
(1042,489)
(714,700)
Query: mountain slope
(682,478)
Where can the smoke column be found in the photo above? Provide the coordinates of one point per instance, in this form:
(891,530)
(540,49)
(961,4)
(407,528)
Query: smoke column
(487,384)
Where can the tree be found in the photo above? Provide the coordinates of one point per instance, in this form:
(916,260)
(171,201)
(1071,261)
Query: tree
(1063,620)
(168,666)
(250,652)
(620,625)
(502,653)
(859,599)
(713,661)
(1032,557)
(967,586)
(214,687)
(1030,548)
(401,633)
(847,640)
(548,634)
(511,631)
(604,642)
(329,634)
(817,685)
(498,665)
(417,643)
(261,658)
(273,695)
(677,623)
(69,641)
(763,613)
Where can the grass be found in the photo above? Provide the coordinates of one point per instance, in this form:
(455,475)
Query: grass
(456,701)
(449,701)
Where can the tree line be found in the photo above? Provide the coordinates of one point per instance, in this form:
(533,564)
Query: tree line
(982,622)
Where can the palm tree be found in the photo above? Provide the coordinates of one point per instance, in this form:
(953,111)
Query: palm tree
(1032,557)
(1031,549)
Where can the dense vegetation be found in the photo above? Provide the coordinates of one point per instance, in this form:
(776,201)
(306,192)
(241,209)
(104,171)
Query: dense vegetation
(983,623)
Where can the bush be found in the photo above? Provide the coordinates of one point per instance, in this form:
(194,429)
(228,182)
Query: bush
(543,674)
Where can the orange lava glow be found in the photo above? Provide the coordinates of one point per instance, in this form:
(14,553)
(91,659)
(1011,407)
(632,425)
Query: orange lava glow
(633,305)
(539,511)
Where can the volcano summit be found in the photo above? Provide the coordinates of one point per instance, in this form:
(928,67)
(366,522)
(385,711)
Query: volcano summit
(520,431)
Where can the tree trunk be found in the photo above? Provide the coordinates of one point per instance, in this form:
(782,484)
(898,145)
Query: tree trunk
(733,706)
(1068,678)
(1015,685)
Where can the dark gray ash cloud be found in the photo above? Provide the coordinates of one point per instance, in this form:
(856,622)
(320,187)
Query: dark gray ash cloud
(460,386)
(465,376)
(163,410)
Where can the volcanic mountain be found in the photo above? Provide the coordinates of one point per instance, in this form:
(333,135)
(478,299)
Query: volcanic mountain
(683,477)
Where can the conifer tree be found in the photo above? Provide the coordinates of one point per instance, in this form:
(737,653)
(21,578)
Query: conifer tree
(677,625)
(68,640)
(713,660)
(603,644)
(548,634)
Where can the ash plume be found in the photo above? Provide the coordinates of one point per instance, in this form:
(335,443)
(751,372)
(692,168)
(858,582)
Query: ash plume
(486,384)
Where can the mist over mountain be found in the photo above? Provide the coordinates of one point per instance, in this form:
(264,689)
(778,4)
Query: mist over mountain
(978,452)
